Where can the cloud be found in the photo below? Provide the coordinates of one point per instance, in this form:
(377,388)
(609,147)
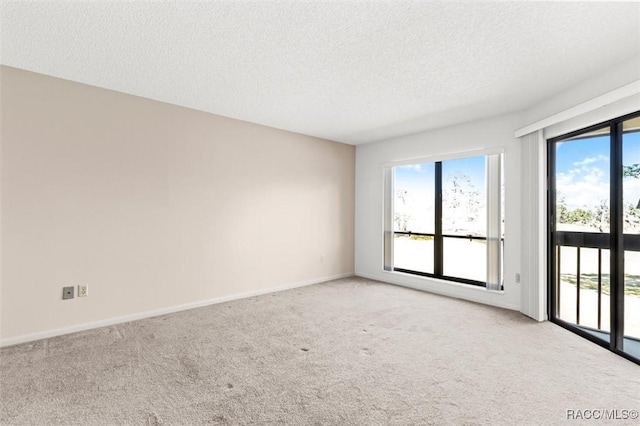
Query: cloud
(584,187)
(591,160)
(415,167)
(631,190)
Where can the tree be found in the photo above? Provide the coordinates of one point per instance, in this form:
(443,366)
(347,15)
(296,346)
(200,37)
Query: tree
(600,218)
(462,201)
(402,195)
(631,217)
(632,211)
(579,215)
(562,210)
(631,171)
(401,219)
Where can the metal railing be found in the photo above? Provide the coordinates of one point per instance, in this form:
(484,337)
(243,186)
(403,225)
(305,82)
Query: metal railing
(420,234)
(589,240)
(442,275)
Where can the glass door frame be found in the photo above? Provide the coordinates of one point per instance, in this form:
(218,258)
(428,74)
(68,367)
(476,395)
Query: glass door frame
(616,243)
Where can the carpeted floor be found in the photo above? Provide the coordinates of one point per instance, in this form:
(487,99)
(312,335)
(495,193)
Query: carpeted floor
(350,351)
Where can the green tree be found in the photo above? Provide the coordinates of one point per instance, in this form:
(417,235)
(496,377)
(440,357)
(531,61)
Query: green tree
(581,216)
(578,215)
(631,171)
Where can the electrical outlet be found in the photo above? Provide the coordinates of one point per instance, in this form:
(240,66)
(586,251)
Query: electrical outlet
(83,290)
(67,292)
(518,277)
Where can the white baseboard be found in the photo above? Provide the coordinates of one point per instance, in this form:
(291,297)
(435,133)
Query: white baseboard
(162,311)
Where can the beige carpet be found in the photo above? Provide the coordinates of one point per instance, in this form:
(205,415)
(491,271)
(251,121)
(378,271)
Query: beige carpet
(351,351)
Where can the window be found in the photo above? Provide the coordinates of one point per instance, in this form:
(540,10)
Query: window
(443,219)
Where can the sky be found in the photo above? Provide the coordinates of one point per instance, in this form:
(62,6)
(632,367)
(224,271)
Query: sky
(582,178)
(418,201)
(416,176)
(582,170)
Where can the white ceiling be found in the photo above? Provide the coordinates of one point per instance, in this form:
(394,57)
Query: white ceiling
(354,72)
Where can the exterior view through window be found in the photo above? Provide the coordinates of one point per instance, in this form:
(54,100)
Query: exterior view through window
(447,220)
(594,213)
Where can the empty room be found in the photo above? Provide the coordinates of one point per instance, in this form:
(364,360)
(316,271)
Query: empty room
(319,212)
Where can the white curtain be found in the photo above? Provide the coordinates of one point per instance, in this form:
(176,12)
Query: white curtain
(533,283)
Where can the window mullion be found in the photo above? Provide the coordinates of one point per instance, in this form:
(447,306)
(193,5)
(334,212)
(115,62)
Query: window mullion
(437,240)
(617,248)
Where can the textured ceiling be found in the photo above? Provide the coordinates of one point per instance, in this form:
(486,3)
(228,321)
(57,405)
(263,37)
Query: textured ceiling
(354,72)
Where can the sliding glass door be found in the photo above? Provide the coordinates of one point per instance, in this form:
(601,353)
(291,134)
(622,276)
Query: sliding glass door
(594,217)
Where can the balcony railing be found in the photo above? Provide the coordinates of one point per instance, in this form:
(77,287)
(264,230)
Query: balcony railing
(581,241)
(420,234)
(452,275)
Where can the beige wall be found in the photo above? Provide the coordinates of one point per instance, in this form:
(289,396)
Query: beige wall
(155,205)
